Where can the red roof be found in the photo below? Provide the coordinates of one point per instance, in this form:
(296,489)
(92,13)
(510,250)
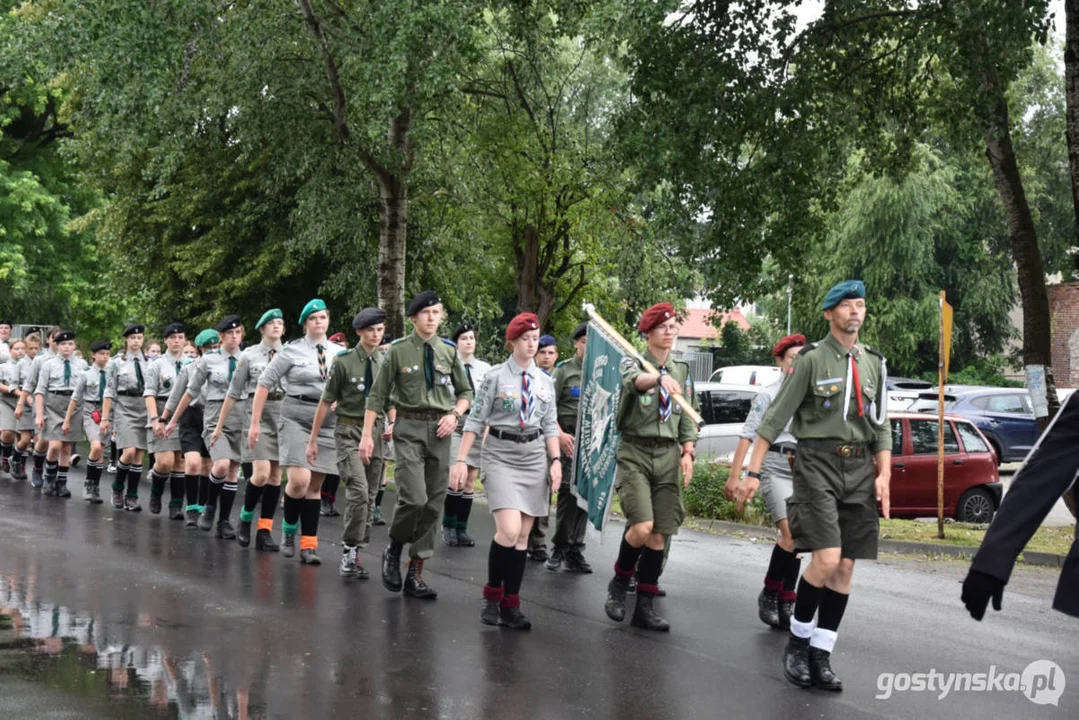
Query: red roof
(701,324)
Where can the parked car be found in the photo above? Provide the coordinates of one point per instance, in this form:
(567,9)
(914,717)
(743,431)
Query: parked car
(972,487)
(724,408)
(1004,415)
(746,375)
(903,392)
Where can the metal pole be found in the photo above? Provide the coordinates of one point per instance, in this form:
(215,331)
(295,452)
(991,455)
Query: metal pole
(790,294)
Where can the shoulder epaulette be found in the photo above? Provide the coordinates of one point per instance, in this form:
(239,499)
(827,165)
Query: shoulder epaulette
(808,348)
(293,342)
(400,339)
(561,363)
(449,342)
(873,351)
(343,352)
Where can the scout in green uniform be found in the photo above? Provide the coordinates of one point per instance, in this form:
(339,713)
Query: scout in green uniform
(657,450)
(546,359)
(422,372)
(571,520)
(351,378)
(835,393)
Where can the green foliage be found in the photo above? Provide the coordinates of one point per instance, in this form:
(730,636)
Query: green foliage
(705,497)
(984,371)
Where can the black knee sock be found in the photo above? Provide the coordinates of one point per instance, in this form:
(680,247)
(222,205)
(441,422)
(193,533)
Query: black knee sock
(805,607)
(176,489)
(777,567)
(464,509)
(39,460)
(378,497)
(627,558)
(216,484)
(514,570)
(204,490)
(498,558)
(329,487)
(252,495)
(227,498)
(191,491)
(271,494)
(449,508)
(648,571)
(61,475)
(50,470)
(134,475)
(249,471)
(293,509)
(157,483)
(790,575)
(832,607)
(121,477)
(309,515)
(93,472)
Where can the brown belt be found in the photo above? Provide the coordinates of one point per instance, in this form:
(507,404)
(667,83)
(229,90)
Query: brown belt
(346,420)
(427,415)
(835,447)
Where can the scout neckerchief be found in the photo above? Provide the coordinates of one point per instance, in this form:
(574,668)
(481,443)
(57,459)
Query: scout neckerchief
(526,398)
(138,376)
(368,375)
(321,361)
(879,413)
(67,373)
(232,367)
(468,373)
(664,397)
(100,386)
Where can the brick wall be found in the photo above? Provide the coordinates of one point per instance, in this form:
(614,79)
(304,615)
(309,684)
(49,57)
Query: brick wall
(1064,311)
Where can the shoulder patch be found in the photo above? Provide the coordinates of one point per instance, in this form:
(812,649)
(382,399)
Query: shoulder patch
(449,342)
(561,363)
(873,351)
(808,348)
(343,352)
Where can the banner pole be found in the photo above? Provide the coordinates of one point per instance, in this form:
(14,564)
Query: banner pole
(940,426)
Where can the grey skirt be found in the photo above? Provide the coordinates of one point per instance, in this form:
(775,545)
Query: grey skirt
(267,447)
(55,411)
(295,428)
(777,484)
(475,453)
(91,429)
(129,416)
(7,412)
(227,446)
(516,476)
(26,422)
(159,445)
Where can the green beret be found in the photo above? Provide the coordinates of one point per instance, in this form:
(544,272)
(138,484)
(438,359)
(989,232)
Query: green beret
(207,337)
(846,290)
(311,307)
(269,315)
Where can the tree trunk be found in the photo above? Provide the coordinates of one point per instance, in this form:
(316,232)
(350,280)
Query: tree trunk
(534,293)
(1037,332)
(393,228)
(1071,84)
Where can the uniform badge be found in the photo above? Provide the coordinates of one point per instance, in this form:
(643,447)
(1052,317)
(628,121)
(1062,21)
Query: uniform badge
(406,370)
(834,388)
(827,404)
(441,368)
(444,380)
(360,387)
(575,392)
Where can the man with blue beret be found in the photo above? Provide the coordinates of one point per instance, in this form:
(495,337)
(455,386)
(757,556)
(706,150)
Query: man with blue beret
(835,398)
(546,359)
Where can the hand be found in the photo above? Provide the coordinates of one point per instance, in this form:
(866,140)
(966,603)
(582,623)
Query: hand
(733,483)
(253,435)
(312,453)
(66,428)
(687,470)
(458,475)
(159,428)
(670,385)
(745,493)
(556,476)
(18,412)
(39,422)
(170,428)
(978,588)
(367,449)
(216,436)
(883,488)
(446,425)
(387,435)
(105,427)
(565,444)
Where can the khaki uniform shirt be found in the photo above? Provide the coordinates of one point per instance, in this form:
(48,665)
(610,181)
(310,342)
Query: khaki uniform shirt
(403,376)
(567,390)
(638,412)
(348,385)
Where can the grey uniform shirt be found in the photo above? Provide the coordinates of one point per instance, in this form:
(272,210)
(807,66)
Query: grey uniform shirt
(5,351)
(498,401)
(180,389)
(9,373)
(756,413)
(161,376)
(296,368)
(89,387)
(477,370)
(29,378)
(122,376)
(50,377)
(253,361)
(212,372)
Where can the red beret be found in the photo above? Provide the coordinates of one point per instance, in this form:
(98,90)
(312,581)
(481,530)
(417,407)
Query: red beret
(337,338)
(521,324)
(787,343)
(655,315)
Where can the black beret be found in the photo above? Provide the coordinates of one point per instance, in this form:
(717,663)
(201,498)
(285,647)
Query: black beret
(174,329)
(7,322)
(580,331)
(461,330)
(425,299)
(100,345)
(229,322)
(134,330)
(387,339)
(65,335)
(367,317)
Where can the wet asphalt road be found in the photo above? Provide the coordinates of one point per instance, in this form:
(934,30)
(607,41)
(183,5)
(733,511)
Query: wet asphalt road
(131,615)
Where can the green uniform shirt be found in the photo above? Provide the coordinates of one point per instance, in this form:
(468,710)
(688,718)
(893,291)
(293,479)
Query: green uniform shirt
(347,385)
(567,392)
(813,395)
(638,412)
(402,376)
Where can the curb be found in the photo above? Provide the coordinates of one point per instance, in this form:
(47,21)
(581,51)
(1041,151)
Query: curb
(899,547)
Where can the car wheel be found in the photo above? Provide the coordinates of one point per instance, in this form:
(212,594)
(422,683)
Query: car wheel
(975,506)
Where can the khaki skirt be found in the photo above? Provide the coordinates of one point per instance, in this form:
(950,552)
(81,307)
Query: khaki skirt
(515,475)
(295,428)
(267,448)
(475,453)
(129,413)
(26,422)
(158,445)
(90,427)
(55,411)
(227,446)
(7,412)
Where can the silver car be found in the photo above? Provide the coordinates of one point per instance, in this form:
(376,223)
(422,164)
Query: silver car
(724,407)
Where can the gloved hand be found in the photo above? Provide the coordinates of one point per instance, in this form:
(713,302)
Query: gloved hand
(977,589)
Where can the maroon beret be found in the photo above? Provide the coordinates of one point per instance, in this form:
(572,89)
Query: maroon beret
(521,324)
(338,338)
(787,343)
(655,315)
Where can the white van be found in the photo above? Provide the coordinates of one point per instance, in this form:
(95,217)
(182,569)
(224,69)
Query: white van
(746,375)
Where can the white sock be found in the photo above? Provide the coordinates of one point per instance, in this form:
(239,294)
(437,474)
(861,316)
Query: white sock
(801,629)
(821,639)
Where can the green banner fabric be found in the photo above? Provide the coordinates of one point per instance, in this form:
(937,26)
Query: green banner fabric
(597,437)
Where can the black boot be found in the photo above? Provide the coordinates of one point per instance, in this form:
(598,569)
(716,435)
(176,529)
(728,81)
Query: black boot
(191,520)
(644,615)
(155,503)
(264,541)
(555,561)
(615,607)
(820,670)
(414,584)
(489,613)
(768,607)
(449,536)
(575,562)
(224,530)
(513,618)
(796,661)
(206,520)
(786,611)
(243,535)
(391,568)
(50,486)
(464,539)
(61,489)
(288,545)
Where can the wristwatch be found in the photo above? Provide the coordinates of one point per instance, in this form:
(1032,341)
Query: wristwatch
(692,454)
(753,474)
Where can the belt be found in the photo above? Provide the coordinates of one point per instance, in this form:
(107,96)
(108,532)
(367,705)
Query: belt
(345,420)
(835,447)
(782,449)
(129,393)
(652,442)
(275,396)
(65,393)
(525,437)
(304,398)
(429,415)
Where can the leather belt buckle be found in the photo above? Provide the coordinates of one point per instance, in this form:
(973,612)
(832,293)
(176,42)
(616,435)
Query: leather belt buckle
(844,451)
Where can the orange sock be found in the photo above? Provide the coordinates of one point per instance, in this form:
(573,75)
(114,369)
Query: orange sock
(309,542)
(265,524)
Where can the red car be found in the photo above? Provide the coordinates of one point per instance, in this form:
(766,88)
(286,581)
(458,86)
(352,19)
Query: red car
(972,487)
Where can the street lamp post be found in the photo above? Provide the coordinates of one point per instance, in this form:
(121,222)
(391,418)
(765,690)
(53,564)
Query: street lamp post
(790,294)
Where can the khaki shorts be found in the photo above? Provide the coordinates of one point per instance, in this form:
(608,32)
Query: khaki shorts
(649,484)
(834,503)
